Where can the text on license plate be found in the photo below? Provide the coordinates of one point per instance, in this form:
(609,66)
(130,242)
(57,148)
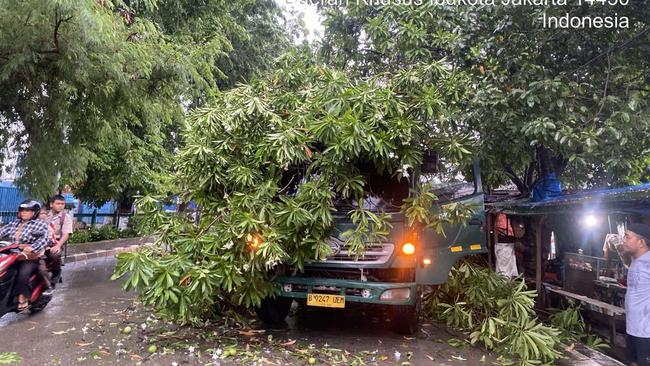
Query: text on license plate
(327,301)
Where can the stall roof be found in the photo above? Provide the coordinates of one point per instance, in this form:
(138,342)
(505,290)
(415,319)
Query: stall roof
(631,199)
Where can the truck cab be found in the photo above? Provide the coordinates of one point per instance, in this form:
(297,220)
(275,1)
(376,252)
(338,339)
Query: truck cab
(394,271)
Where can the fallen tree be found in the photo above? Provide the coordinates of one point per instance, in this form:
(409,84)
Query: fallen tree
(266,163)
(499,313)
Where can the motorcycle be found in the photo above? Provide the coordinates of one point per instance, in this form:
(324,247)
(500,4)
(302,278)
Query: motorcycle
(10,254)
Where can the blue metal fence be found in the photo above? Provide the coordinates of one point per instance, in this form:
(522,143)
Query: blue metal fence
(10,197)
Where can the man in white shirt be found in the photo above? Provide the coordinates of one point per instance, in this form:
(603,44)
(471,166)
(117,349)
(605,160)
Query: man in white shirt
(637,299)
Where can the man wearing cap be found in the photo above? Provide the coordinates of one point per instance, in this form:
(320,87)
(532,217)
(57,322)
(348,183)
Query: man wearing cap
(637,299)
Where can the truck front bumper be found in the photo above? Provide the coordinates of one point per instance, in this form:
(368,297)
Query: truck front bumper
(354,291)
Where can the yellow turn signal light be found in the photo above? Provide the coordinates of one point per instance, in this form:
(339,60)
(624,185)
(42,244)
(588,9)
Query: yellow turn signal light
(408,248)
(426,261)
(254,241)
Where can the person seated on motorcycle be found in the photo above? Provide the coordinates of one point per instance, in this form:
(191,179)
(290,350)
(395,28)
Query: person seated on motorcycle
(42,265)
(31,232)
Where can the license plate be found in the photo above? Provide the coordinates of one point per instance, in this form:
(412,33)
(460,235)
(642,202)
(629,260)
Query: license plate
(326,301)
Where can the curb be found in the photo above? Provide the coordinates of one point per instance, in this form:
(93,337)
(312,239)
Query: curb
(101,253)
(582,355)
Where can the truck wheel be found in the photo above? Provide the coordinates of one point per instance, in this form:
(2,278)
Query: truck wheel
(405,318)
(274,310)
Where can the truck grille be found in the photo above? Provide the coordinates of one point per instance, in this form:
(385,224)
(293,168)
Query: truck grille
(376,253)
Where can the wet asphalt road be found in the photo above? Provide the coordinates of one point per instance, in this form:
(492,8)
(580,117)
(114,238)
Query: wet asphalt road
(81,326)
(87,292)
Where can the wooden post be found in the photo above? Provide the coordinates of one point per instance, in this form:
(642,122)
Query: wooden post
(116,216)
(490,244)
(495,235)
(538,257)
(612,330)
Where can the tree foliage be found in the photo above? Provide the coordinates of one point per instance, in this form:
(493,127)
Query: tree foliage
(497,312)
(570,101)
(95,91)
(242,37)
(271,163)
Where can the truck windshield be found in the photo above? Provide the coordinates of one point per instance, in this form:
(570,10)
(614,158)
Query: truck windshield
(387,193)
(449,182)
(383,193)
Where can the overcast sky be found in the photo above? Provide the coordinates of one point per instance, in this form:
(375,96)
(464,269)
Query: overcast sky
(311,17)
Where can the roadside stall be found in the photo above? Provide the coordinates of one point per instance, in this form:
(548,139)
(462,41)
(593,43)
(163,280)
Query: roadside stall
(569,247)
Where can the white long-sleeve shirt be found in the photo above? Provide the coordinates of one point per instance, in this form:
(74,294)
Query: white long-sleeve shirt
(637,298)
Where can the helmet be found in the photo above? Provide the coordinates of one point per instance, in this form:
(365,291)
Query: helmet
(30,205)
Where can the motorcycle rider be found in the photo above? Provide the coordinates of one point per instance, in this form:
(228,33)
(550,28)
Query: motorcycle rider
(33,234)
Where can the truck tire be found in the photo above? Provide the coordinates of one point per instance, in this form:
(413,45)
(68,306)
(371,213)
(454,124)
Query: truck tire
(273,311)
(405,318)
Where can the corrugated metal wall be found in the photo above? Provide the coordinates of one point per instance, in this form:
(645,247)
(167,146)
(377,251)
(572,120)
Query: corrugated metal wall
(10,197)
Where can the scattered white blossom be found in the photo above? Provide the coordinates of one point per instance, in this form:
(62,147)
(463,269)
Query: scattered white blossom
(405,170)
(246,267)
(397,355)
(228,245)
(143,326)
(191,349)
(174,363)
(391,154)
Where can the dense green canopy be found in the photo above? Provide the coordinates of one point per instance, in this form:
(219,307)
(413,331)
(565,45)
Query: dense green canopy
(95,91)
(573,101)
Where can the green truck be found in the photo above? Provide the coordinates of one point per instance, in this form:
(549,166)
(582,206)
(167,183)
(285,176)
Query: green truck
(393,272)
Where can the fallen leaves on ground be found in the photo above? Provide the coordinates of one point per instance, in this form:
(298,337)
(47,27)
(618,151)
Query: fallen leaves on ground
(7,358)
(252,332)
(64,331)
(288,343)
(230,343)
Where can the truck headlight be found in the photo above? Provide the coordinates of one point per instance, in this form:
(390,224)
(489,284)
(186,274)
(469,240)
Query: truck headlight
(408,248)
(396,294)
(254,241)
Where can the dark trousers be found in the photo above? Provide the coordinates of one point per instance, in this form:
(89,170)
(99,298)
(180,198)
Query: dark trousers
(54,264)
(638,350)
(25,270)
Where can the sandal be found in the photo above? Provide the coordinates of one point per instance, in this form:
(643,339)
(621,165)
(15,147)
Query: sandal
(23,305)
